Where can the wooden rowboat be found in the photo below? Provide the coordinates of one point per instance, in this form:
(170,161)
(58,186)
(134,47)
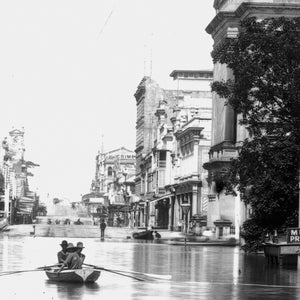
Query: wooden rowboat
(84,275)
(143,235)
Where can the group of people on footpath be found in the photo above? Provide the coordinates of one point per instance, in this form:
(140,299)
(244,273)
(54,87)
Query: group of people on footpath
(69,256)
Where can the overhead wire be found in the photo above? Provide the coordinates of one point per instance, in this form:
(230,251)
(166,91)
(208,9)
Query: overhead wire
(106,21)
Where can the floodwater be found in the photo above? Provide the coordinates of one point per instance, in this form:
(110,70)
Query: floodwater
(198,272)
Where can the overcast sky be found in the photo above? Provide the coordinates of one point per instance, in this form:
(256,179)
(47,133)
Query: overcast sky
(69,70)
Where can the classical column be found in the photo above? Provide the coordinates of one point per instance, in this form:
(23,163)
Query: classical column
(196,155)
(195,203)
(168,168)
(171,213)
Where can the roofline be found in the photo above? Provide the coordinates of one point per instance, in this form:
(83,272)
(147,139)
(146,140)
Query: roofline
(173,73)
(115,150)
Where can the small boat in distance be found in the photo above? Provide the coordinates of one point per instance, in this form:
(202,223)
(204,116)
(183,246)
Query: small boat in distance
(143,235)
(84,275)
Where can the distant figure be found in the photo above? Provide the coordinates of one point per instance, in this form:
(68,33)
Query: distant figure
(78,222)
(62,254)
(102,228)
(67,222)
(157,235)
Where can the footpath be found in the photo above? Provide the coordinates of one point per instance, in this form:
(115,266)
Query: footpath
(111,233)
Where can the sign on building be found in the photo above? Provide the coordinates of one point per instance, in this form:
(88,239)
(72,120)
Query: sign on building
(293,235)
(99,200)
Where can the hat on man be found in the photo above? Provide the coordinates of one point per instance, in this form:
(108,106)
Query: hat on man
(70,246)
(64,243)
(79,245)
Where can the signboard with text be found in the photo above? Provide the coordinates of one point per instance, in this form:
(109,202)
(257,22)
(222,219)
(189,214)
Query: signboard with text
(293,235)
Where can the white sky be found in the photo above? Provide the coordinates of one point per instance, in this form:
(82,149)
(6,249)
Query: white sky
(68,80)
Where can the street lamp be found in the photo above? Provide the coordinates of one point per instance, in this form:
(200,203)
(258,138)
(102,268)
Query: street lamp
(147,214)
(125,197)
(185,208)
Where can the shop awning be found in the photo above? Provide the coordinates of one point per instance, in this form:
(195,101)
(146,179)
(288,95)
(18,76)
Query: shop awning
(162,197)
(26,199)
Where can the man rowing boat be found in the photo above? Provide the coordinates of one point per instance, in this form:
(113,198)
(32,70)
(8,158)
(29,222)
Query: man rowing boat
(62,254)
(75,258)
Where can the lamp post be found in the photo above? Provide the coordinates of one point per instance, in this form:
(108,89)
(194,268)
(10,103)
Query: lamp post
(185,208)
(125,197)
(147,214)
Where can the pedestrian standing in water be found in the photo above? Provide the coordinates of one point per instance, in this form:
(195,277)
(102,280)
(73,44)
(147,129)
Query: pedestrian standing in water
(102,228)
(62,254)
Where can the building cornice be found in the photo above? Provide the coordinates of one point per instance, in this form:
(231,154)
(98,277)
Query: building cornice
(217,26)
(196,131)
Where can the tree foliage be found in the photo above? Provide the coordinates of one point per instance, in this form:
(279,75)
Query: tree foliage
(265,60)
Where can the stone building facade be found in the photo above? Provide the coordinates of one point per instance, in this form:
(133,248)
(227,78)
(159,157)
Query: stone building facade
(169,162)
(225,212)
(113,189)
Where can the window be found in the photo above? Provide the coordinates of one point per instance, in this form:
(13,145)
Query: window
(109,171)
(163,155)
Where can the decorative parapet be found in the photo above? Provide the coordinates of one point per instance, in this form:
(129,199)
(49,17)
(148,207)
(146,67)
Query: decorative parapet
(223,151)
(189,134)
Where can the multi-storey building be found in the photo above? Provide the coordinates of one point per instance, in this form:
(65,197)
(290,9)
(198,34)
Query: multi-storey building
(226,212)
(110,166)
(169,163)
(113,187)
(18,202)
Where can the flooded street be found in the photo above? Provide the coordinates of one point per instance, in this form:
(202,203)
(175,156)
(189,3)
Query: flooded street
(197,272)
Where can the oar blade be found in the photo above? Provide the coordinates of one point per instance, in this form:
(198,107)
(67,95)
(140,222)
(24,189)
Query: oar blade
(164,277)
(148,275)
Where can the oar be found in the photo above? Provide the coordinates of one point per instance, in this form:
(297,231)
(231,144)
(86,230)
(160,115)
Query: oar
(115,272)
(144,275)
(154,276)
(48,267)
(2,273)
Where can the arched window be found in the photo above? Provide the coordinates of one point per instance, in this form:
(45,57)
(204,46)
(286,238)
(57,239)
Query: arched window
(109,171)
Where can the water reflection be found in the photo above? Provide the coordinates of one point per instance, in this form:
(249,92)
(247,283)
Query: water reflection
(71,290)
(197,272)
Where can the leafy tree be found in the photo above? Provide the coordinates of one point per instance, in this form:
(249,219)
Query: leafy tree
(265,60)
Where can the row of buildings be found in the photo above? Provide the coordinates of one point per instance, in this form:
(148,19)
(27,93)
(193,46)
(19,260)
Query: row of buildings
(17,203)
(185,140)
(173,137)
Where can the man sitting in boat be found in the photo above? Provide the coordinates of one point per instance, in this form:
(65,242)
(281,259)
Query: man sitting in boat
(79,248)
(75,258)
(62,254)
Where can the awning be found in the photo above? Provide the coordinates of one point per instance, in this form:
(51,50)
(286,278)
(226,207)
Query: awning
(26,199)
(24,211)
(162,197)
